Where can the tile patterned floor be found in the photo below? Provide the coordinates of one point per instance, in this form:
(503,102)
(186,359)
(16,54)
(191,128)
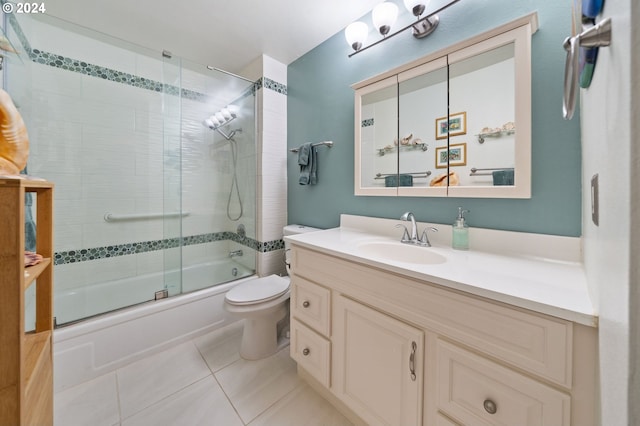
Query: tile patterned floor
(200,382)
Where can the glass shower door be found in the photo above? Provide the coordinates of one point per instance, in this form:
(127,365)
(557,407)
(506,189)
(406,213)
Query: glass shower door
(172,174)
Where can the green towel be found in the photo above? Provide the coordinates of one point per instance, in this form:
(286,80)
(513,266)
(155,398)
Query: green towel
(503,177)
(404,180)
(307,160)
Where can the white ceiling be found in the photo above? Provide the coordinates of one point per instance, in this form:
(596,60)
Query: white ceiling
(228,34)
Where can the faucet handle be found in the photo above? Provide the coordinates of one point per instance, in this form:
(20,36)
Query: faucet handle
(405,235)
(424,238)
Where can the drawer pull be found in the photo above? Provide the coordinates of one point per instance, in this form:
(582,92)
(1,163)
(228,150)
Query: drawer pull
(412,361)
(306,351)
(490,406)
(306,304)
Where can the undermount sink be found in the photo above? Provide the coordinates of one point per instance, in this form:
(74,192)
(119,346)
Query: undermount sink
(399,252)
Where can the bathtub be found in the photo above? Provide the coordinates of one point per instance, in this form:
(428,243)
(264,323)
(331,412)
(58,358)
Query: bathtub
(96,346)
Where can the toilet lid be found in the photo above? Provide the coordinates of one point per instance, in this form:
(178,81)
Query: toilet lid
(258,290)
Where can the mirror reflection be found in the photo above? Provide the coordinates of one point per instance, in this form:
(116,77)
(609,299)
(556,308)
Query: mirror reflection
(454,124)
(442,125)
(379,137)
(421,99)
(482,91)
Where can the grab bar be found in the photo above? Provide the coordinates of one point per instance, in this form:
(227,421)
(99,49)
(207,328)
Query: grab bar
(110,217)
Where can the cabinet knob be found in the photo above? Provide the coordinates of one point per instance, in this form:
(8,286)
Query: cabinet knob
(306,304)
(306,351)
(490,406)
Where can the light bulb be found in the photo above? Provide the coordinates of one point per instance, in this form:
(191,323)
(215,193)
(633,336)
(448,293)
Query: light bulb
(416,7)
(214,120)
(384,16)
(356,34)
(220,117)
(226,114)
(209,123)
(233,109)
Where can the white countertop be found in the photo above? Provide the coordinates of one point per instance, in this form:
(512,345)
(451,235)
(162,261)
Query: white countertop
(546,285)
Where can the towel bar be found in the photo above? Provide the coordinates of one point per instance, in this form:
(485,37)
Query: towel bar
(327,143)
(486,171)
(414,174)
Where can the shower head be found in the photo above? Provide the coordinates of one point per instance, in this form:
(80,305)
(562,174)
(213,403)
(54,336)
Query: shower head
(208,123)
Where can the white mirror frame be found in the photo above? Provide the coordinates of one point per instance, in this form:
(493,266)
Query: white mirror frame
(518,32)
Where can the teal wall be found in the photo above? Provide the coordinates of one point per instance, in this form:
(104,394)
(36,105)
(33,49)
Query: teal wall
(320,107)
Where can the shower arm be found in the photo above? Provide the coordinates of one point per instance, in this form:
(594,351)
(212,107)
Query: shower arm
(224,135)
(230,135)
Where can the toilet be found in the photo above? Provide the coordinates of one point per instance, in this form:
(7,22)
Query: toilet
(262,303)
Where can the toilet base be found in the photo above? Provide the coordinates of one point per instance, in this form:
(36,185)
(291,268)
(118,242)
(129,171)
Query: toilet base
(260,335)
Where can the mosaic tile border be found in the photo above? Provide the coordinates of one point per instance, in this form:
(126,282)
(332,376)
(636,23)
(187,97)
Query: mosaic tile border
(19,33)
(267,83)
(83,67)
(368,122)
(84,255)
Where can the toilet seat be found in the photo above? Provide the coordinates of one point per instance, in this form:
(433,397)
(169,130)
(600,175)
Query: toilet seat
(257,291)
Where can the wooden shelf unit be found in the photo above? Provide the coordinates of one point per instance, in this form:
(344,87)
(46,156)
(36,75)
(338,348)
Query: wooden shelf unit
(26,363)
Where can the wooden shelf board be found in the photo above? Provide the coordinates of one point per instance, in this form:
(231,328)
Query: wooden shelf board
(31,273)
(26,183)
(37,348)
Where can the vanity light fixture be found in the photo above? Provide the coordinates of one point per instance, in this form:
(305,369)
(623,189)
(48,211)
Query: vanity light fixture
(222,117)
(384,16)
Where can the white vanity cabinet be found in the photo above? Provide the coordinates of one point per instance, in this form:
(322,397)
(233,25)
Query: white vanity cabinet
(401,351)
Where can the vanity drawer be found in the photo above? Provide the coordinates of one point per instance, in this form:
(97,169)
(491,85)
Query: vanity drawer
(311,351)
(477,391)
(311,304)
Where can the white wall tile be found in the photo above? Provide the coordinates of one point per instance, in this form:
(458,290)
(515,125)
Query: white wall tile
(82,47)
(274,69)
(271,263)
(45,78)
(275,102)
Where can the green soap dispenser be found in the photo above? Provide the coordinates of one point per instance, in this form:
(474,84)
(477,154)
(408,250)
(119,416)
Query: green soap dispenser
(460,239)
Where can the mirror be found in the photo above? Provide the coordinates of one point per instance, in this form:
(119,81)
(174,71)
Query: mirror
(455,125)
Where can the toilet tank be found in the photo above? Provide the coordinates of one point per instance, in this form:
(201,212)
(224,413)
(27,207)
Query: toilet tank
(295,230)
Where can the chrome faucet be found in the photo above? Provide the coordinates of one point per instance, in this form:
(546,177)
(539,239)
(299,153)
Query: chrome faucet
(414,228)
(235,253)
(412,238)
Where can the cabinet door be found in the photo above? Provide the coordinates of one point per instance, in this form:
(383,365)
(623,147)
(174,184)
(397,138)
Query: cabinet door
(490,96)
(379,365)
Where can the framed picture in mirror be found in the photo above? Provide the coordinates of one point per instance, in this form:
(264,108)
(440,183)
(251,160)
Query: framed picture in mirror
(457,125)
(456,155)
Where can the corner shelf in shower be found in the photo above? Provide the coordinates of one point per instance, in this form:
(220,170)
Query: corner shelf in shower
(26,365)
